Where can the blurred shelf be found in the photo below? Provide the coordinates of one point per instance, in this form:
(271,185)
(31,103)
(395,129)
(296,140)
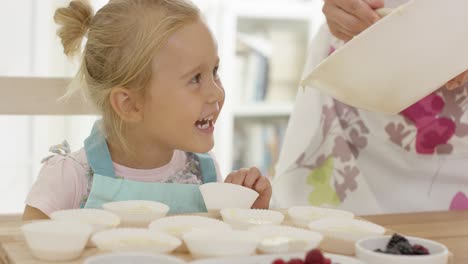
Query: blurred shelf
(276,10)
(261,110)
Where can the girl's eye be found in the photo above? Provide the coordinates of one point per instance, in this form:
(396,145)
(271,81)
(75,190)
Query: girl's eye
(215,73)
(196,79)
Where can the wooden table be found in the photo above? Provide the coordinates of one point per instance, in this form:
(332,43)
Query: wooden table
(449,228)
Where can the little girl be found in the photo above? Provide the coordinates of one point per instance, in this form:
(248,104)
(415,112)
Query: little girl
(150,67)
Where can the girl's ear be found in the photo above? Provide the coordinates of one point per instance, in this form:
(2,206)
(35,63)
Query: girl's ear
(127,104)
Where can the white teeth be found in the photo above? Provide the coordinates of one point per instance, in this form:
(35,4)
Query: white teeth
(206,119)
(205,125)
(205,122)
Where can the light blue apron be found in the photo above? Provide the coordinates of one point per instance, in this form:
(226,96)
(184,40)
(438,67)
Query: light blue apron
(106,187)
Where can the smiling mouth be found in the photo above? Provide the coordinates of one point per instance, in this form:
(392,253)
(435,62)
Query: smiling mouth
(205,123)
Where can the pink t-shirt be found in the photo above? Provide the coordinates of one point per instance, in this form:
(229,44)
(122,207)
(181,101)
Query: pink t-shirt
(64,181)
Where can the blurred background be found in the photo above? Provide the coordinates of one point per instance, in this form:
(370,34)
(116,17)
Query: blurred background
(262,44)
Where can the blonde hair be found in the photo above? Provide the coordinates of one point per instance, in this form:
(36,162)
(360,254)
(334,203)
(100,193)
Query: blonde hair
(123,37)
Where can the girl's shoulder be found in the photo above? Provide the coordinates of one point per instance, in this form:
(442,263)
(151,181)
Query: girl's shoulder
(62,181)
(62,156)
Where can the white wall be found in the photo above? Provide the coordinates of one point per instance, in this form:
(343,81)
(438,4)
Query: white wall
(29,47)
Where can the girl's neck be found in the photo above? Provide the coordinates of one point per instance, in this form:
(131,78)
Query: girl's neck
(140,155)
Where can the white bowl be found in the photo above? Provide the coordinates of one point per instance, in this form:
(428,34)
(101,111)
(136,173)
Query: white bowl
(268,259)
(301,216)
(365,252)
(135,239)
(218,195)
(132,257)
(182,224)
(136,213)
(56,240)
(340,234)
(285,239)
(245,218)
(399,60)
(97,218)
(221,243)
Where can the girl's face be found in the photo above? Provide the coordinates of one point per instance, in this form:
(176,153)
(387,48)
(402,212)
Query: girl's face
(185,95)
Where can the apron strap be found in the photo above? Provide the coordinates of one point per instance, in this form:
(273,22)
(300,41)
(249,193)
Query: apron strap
(97,152)
(208,169)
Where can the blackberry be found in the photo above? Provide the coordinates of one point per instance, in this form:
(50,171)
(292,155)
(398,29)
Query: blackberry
(396,238)
(399,245)
(404,248)
(393,251)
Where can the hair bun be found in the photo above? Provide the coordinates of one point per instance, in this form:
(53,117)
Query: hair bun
(74,22)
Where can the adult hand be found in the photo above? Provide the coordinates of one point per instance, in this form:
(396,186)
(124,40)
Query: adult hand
(348,18)
(458,81)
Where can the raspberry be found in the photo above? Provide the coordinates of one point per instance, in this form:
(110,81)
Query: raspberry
(295,261)
(420,250)
(327,261)
(314,256)
(278,261)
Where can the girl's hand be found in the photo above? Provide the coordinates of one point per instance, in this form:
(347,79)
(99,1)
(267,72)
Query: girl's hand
(458,81)
(253,179)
